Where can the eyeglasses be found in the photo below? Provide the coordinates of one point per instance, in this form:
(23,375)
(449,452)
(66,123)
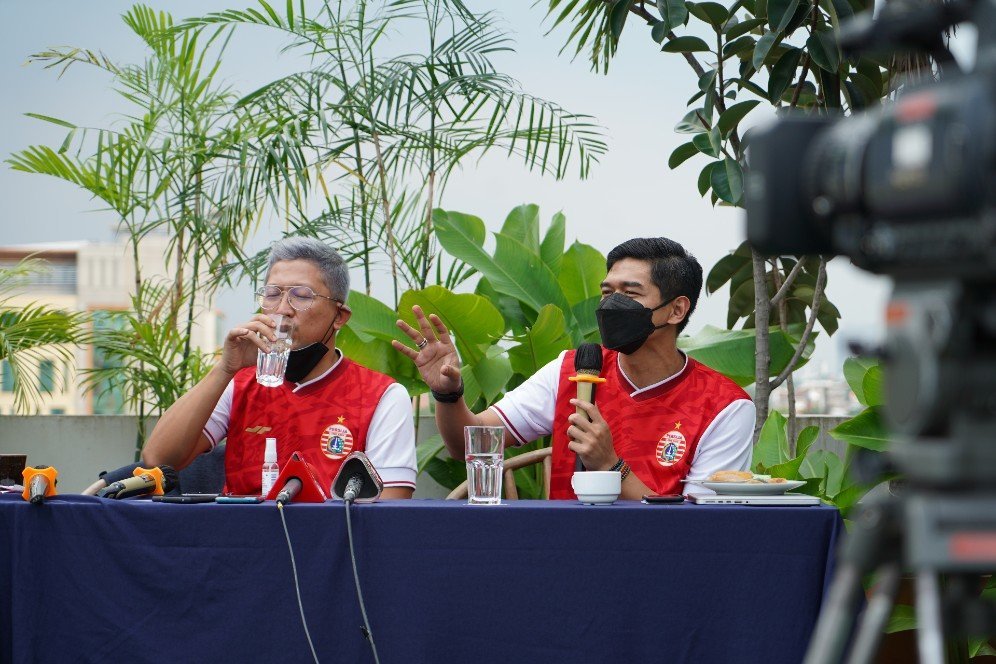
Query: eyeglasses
(299,297)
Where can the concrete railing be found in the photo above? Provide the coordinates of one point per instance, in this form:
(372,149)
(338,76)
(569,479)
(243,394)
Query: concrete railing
(80,446)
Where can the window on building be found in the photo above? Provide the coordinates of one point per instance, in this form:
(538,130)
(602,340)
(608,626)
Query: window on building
(46,376)
(108,399)
(6,377)
(57,411)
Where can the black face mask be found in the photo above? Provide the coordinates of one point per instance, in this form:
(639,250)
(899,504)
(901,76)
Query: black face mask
(301,361)
(624,323)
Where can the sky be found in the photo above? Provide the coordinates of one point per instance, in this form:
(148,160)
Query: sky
(631,193)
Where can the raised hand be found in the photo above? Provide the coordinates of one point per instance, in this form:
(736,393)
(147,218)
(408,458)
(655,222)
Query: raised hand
(434,354)
(241,343)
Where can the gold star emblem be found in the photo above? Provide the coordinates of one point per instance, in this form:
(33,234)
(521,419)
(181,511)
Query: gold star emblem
(677,426)
(341,419)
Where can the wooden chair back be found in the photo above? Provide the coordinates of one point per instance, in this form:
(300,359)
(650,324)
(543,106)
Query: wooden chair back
(508,479)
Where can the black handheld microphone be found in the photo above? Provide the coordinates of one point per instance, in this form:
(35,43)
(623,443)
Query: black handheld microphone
(357,480)
(147,481)
(587,366)
(290,491)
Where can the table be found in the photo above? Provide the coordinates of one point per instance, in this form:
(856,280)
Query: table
(87,579)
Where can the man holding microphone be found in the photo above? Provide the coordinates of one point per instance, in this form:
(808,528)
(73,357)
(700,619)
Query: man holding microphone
(660,416)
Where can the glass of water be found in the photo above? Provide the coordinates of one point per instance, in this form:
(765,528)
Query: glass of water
(485,461)
(271,365)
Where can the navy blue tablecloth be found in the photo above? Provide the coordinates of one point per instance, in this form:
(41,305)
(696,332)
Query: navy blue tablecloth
(84,579)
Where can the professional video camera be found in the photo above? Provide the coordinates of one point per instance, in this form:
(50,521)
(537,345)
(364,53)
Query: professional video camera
(908,190)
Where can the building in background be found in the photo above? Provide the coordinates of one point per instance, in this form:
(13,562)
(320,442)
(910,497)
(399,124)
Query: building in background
(92,277)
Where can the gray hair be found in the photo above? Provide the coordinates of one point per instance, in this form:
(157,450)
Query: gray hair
(335,272)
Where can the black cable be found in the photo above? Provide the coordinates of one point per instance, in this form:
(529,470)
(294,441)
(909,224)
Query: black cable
(297,586)
(359,594)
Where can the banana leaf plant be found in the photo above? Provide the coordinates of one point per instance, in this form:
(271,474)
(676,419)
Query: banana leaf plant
(828,474)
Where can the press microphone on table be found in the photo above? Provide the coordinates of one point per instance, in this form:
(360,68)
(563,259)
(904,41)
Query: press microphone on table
(587,366)
(39,483)
(146,482)
(357,480)
(296,483)
(290,490)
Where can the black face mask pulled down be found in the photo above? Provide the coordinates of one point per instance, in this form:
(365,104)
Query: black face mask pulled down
(301,361)
(624,323)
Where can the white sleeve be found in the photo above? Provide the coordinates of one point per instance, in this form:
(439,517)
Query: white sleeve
(527,411)
(391,438)
(216,428)
(726,443)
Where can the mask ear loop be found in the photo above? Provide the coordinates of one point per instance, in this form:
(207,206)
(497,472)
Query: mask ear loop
(329,332)
(662,304)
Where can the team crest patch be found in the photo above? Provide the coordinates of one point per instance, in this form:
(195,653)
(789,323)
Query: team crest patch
(337,441)
(671,448)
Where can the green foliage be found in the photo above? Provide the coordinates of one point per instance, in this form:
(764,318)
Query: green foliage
(866,430)
(31,333)
(534,300)
(736,269)
(145,357)
(731,352)
(826,474)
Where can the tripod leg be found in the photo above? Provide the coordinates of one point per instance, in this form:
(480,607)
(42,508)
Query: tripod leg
(833,628)
(929,633)
(876,616)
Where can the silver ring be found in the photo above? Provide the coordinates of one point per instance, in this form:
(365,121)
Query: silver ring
(422,344)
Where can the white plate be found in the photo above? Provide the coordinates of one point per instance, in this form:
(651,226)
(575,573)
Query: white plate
(745,489)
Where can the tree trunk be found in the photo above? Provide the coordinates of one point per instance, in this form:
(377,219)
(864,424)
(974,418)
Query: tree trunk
(762,347)
(792,425)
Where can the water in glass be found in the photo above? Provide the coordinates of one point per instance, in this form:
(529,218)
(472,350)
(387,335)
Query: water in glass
(484,473)
(485,458)
(271,366)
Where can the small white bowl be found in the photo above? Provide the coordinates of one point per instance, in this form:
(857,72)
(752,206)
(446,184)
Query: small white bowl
(597,487)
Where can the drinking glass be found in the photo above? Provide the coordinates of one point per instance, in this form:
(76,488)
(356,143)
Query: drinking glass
(485,461)
(271,365)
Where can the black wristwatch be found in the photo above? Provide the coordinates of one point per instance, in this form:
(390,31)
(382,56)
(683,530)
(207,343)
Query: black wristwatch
(448,397)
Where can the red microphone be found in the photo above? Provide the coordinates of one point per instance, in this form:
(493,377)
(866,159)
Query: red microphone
(297,483)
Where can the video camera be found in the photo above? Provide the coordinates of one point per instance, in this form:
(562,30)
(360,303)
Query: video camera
(907,190)
(904,189)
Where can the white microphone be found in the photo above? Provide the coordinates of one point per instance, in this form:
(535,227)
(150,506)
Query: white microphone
(357,480)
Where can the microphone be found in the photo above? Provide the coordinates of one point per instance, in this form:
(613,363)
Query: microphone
(357,480)
(39,483)
(147,481)
(296,483)
(108,476)
(290,490)
(587,366)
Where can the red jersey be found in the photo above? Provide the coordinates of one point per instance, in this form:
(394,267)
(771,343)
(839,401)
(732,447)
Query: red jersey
(656,431)
(324,421)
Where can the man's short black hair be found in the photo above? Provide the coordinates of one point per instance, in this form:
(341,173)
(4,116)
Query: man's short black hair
(672,269)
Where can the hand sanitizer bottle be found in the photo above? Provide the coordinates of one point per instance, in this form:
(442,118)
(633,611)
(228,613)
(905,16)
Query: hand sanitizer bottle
(270,469)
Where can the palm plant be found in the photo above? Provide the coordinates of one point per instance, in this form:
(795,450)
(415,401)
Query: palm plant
(31,333)
(384,133)
(168,169)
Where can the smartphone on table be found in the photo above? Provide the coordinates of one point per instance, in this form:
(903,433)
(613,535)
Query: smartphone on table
(230,499)
(187,498)
(663,499)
